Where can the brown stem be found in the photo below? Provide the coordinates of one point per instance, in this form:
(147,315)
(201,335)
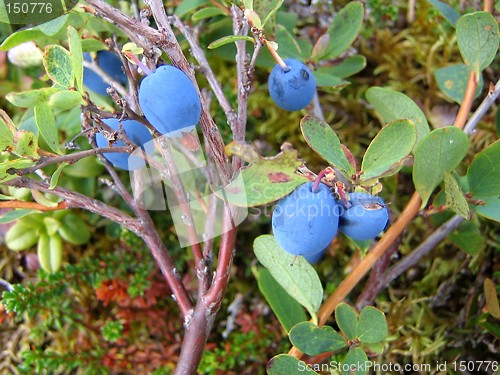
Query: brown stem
(32,205)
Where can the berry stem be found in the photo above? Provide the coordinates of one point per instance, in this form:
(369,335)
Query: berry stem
(275,55)
(318,179)
(135,60)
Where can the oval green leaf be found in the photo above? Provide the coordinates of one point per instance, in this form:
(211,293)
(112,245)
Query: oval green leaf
(21,236)
(64,100)
(76,53)
(286,364)
(347,320)
(372,326)
(450,14)
(468,238)
(207,13)
(388,150)
(288,311)
(58,65)
(452,81)
(30,98)
(440,151)
(229,39)
(74,230)
(6,136)
(477,37)
(344,29)
(484,181)
(294,274)
(265,179)
(355,362)
(348,67)
(14,215)
(392,105)
(455,198)
(314,340)
(46,123)
(50,252)
(322,139)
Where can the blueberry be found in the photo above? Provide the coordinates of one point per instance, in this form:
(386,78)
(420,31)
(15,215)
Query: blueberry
(305,222)
(365,218)
(112,66)
(292,89)
(315,258)
(137,133)
(170,101)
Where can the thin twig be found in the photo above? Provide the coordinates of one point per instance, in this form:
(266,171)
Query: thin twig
(482,109)
(206,69)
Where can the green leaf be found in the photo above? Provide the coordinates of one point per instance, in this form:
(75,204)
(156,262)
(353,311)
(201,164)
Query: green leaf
(55,176)
(74,230)
(294,274)
(25,144)
(6,136)
(23,36)
(46,124)
(452,81)
(21,236)
(392,105)
(346,68)
(388,150)
(450,14)
(187,6)
(51,225)
(207,12)
(76,54)
(344,30)
(372,326)
(484,181)
(347,320)
(64,100)
(328,82)
(288,46)
(288,311)
(58,65)
(229,39)
(284,364)
(9,168)
(355,362)
(468,238)
(265,179)
(477,37)
(86,167)
(314,340)
(30,98)
(14,215)
(50,252)
(440,151)
(52,27)
(272,8)
(323,140)
(455,198)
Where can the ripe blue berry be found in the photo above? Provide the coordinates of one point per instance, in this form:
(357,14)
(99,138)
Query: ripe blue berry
(292,89)
(365,218)
(315,258)
(137,133)
(112,66)
(170,101)
(305,222)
